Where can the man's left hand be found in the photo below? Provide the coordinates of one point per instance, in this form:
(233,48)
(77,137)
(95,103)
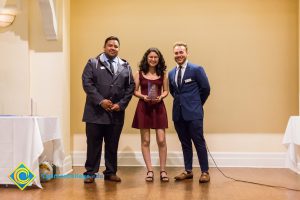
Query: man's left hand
(115,107)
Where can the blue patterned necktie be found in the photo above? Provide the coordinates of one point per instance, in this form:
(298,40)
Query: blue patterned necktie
(111,66)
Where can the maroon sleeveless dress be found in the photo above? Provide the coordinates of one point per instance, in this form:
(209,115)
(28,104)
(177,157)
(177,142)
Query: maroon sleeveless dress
(150,116)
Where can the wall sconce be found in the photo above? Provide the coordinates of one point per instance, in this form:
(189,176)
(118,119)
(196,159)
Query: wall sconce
(6,19)
(8,11)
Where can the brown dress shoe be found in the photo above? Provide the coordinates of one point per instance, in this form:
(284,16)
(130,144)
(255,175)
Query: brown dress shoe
(184,175)
(204,178)
(89,179)
(113,178)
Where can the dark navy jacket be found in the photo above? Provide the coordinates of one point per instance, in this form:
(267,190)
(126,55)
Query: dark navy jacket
(99,83)
(192,95)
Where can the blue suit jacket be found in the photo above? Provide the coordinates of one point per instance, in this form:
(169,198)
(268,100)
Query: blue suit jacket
(192,95)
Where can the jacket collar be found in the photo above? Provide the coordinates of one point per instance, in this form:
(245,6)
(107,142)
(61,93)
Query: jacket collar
(117,60)
(122,64)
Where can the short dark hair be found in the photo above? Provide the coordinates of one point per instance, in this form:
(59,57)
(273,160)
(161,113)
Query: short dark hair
(111,38)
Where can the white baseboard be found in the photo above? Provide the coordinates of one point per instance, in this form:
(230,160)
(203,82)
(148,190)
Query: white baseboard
(174,159)
(67,166)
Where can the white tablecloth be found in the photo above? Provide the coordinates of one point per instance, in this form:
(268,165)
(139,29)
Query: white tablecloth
(291,140)
(24,139)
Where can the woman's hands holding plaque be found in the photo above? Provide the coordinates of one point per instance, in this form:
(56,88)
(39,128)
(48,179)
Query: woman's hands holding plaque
(152,100)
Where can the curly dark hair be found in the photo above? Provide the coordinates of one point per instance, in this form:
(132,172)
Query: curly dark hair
(160,68)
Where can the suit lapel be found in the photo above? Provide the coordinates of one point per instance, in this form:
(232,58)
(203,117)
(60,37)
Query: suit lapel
(173,81)
(186,74)
(120,69)
(106,65)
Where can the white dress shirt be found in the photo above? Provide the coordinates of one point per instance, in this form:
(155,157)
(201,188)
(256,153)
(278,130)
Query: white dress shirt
(183,67)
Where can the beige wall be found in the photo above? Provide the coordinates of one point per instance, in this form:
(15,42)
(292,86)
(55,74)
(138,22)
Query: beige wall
(248,48)
(14,68)
(217,142)
(50,68)
(35,68)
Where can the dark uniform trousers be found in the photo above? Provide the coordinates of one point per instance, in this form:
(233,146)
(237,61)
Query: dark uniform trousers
(95,134)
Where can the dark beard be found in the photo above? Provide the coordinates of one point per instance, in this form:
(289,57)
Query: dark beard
(109,57)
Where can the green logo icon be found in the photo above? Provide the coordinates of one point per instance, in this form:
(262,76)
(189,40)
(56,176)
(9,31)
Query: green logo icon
(22,176)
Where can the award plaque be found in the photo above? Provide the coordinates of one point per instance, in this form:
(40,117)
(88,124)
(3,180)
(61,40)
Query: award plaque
(152,90)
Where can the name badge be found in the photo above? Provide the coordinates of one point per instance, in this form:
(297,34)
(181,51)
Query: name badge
(188,80)
(102,67)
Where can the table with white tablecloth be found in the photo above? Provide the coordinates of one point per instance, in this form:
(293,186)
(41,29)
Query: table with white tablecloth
(291,140)
(23,139)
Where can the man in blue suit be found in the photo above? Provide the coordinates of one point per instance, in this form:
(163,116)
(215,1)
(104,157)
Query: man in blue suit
(190,88)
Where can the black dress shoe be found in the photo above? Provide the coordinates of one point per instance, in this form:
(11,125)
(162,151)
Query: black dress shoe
(89,179)
(113,178)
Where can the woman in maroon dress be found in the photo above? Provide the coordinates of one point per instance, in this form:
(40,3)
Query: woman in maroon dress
(151,87)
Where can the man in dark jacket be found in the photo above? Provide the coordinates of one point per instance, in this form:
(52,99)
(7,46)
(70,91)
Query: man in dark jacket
(108,83)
